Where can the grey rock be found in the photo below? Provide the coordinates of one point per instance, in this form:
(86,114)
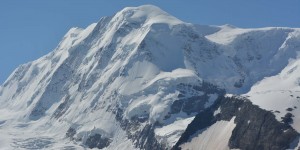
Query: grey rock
(97,141)
(255,128)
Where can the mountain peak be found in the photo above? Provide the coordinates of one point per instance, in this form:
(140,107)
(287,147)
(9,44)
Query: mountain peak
(148,14)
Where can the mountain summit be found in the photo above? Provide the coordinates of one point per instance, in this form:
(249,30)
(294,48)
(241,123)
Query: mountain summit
(147,14)
(143,79)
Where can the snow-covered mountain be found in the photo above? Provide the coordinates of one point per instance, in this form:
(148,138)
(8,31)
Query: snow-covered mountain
(142,79)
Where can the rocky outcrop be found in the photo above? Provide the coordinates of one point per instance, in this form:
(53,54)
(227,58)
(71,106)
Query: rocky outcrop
(97,141)
(141,132)
(255,128)
(196,102)
(258,129)
(145,139)
(71,133)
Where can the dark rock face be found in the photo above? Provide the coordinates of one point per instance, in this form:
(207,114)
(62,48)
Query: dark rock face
(258,129)
(255,128)
(176,106)
(63,107)
(93,141)
(196,103)
(145,139)
(70,133)
(97,141)
(143,136)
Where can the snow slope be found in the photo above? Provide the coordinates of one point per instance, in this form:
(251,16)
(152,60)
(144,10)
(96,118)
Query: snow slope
(280,92)
(95,71)
(215,137)
(134,66)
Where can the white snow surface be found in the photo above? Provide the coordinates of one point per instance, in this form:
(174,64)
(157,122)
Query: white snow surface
(280,92)
(134,60)
(172,132)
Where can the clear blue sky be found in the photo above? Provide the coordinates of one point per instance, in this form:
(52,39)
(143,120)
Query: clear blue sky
(32,28)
